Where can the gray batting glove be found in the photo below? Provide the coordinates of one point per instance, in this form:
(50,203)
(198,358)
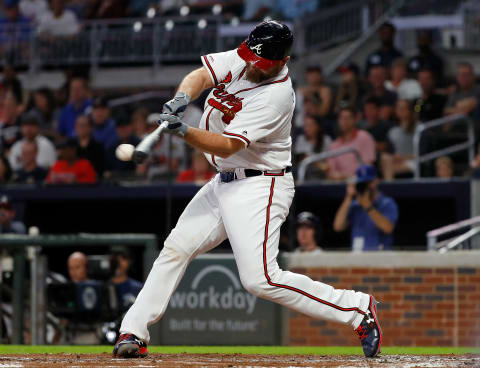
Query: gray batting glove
(175,126)
(177,105)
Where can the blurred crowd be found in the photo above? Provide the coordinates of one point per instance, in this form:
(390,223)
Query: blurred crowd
(376,109)
(64,17)
(70,135)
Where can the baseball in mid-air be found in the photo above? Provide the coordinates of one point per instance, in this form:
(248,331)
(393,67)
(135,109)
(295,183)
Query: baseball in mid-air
(124,152)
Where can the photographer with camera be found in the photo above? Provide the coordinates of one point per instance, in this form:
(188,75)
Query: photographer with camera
(371,214)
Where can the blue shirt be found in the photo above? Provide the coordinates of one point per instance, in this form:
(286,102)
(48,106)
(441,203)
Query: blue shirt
(18,30)
(106,133)
(68,115)
(127,292)
(364,230)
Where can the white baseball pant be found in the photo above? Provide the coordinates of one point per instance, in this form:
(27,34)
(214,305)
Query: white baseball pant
(249,212)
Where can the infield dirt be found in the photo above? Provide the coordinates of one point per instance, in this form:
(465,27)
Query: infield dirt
(238,360)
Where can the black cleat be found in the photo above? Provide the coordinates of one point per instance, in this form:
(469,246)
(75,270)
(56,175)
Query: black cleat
(369,331)
(129,346)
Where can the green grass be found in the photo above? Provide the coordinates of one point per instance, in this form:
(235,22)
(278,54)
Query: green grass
(280,350)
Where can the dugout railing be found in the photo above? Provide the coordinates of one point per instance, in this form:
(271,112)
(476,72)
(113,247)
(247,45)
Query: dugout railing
(19,245)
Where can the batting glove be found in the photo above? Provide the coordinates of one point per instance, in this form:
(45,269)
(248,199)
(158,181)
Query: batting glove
(175,126)
(177,105)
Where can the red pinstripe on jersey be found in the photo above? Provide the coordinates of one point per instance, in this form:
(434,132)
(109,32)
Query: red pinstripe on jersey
(270,282)
(211,69)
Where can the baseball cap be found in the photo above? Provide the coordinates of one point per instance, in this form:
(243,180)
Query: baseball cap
(100,102)
(348,67)
(5,202)
(267,44)
(31,117)
(307,218)
(365,173)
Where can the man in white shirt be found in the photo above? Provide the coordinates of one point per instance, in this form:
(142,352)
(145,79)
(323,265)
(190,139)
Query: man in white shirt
(46,155)
(58,22)
(406,89)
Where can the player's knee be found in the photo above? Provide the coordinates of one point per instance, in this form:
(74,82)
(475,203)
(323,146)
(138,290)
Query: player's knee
(256,287)
(173,252)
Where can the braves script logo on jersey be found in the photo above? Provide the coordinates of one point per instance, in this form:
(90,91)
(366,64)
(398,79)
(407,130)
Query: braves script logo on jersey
(228,103)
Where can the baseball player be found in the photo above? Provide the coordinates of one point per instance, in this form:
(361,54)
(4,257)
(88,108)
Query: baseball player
(245,133)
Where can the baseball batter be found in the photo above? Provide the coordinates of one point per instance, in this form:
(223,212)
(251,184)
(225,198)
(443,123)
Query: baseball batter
(245,133)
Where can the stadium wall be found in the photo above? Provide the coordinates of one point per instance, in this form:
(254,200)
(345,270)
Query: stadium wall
(427,299)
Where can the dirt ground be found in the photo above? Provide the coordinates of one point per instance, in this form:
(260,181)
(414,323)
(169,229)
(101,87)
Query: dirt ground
(239,360)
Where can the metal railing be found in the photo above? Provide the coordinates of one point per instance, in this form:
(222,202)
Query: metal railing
(453,120)
(433,235)
(302,169)
(373,14)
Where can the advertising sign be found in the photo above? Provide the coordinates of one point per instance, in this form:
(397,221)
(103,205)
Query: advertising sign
(210,307)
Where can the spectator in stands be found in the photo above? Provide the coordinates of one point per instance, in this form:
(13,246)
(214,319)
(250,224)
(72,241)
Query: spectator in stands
(58,21)
(79,104)
(10,122)
(401,136)
(14,26)
(30,172)
(106,9)
(375,126)
(5,170)
(88,147)
(465,99)
(70,169)
(11,82)
(343,166)
(371,214)
(199,173)
(43,103)
(126,288)
(385,55)
(313,140)
(46,155)
(140,123)
(104,130)
(426,57)
(444,167)
(377,78)
(316,92)
(124,134)
(352,88)
(77,267)
(256,10)
(308,233)
(405,88)
(33,9)
(429,105)
(7,215)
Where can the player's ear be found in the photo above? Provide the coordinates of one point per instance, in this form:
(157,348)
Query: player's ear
(285,60)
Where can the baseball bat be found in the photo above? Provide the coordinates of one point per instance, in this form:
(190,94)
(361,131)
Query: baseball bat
(144,148)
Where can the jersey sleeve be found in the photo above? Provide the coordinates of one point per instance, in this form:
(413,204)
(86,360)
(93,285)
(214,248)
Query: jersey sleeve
(219,64)
(254,124)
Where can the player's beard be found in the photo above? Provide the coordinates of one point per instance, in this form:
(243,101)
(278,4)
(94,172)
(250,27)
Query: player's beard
(256,75)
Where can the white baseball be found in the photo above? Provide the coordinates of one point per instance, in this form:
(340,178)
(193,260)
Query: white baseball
(124,152)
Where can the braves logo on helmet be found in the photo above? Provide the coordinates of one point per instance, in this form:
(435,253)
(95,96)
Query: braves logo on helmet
(257,48)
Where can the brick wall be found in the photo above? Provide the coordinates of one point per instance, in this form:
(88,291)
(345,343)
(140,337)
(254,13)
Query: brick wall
(420,306)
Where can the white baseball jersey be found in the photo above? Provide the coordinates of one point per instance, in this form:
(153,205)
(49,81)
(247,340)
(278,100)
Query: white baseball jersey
(259,115)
